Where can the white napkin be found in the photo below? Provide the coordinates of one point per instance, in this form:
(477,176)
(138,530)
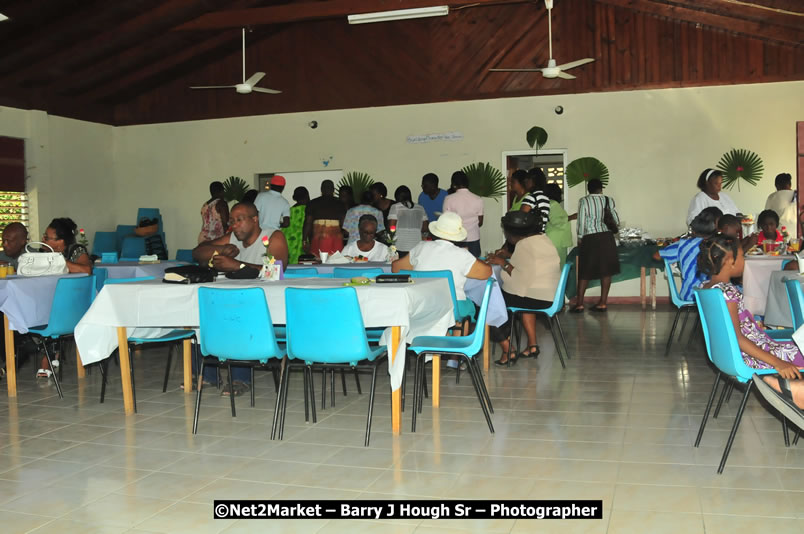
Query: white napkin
(149,258)
(337,257)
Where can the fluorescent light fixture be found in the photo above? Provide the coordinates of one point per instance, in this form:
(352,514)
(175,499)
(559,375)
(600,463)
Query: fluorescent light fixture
(3,17)
(399,14)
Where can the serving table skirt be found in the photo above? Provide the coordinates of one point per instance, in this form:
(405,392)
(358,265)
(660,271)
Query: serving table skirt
(634,259)
(777,306)
(148,308)
(756,280)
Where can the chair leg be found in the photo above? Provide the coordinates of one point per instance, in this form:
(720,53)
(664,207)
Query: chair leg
(275,374)
(696,323)
(706,411)
(672,332)
(312,393)
(62,358)
(422,380)
(684,322)
(278,402)
(285,401)
(416,387)
(253,383)
(728,395)
(474,362)
(198,391)
(231,389)
(404,381)
(131,368)
(798,435)
(563,339)
(555,342)
(371,404)
(729,443)
(167,367)
(55,375)
(343,381)
(357,382)
(306,397)
(424,393)
(785,432)
(104,368)
(332,388)
(729,385)
(480,395)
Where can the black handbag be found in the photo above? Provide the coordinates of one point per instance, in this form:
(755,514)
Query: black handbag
(189,274)
(608,218)
(246,273)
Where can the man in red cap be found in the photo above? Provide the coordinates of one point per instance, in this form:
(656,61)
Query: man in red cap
(273,208)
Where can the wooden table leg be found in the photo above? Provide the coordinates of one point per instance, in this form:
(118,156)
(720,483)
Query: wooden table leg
(653,288)
(396,395)
(125,370)
(188,366)
(486,351)
(642,287)
(435,390)
(11,362)
(79,365)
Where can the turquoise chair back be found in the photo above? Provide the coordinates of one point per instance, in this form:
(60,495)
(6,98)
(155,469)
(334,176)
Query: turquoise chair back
(101,274)
(127,280)
(477,336)
(350,272)
(235,324)
(185,254)
(558,299)
(796,299)
(721,340)
(671,284)
(104,242)
(72,299)
(303,272)
(442,274)
(325,326)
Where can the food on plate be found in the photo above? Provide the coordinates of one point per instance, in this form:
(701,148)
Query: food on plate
(360,258)
(747,219)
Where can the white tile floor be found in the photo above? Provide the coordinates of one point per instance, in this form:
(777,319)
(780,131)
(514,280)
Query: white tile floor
(618,424)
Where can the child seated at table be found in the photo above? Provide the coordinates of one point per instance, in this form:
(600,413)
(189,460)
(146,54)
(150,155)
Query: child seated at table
(722,259)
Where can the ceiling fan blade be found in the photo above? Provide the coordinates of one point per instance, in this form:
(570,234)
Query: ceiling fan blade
(562,74)
(263,90)
(515,70)
(578,63)
(213,87)
(255,78)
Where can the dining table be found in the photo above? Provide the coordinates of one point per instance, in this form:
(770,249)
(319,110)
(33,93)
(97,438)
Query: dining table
(26,302)
(150,308)
(777,305)
(757,277)
(135,269)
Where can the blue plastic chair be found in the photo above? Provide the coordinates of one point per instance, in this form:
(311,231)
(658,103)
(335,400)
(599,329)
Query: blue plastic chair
(71,300)
(465,347)
(123,231)
(463,310)
(681,305)
(551,313)
(302,272)
(235,328)
(350,272)
(339,341)
(795,298)
(174,336)
(133,247)
(185,254)
(101,274)
(724,352)
(104,242)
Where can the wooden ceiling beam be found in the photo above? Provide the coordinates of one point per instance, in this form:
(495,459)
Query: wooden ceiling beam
(296,12)
(124,34)
(749,28)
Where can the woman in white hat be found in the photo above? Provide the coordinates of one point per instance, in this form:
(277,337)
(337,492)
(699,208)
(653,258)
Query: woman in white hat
(443,254)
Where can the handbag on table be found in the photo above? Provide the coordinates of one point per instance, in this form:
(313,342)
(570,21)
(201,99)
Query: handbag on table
(34,263)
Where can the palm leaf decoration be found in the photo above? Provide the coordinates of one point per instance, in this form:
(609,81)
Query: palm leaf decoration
(738,164)
(358,181)
(234,188)
(485,180)
(536,136)
(585,169)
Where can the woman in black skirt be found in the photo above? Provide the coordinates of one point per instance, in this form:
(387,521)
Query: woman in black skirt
(597,250)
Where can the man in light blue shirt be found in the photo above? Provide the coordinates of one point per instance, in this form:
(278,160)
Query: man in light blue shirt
(273,208)
(431,197)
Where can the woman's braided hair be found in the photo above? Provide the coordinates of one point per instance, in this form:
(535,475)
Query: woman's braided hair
(714,251)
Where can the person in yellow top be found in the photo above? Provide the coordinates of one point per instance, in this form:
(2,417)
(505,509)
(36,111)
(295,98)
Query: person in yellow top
(558,227)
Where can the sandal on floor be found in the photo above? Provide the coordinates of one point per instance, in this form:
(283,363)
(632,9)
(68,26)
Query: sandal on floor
(510,360)
(44,373)
(529,353)
(781,401)
(238,388)
(576,309)
(600,309)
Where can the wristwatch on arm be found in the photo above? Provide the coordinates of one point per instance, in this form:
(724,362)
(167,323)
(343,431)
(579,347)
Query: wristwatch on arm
(508,267)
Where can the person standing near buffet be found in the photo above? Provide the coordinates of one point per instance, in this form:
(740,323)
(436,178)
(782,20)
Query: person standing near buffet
(783,202)
(710,182)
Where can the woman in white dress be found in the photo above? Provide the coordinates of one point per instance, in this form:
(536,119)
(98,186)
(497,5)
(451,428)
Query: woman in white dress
(710,182)
(407,220)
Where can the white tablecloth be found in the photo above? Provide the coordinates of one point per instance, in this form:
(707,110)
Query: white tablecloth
(27,300)
(133,269)
(756,280)
(777,306)
(422,308)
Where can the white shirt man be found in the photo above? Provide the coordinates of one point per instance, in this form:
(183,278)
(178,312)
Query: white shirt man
(783,202)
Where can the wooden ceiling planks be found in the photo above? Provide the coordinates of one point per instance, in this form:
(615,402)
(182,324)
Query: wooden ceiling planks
(122,61)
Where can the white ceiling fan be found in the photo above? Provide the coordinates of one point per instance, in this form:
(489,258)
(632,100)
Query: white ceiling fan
(248,85)
(552,70)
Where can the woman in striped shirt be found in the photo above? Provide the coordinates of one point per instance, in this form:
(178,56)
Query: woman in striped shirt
(536,200)
(597,250)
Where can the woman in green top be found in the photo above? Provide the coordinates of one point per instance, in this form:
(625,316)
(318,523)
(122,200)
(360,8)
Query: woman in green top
(558,227)
(518,180)
(293,233)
